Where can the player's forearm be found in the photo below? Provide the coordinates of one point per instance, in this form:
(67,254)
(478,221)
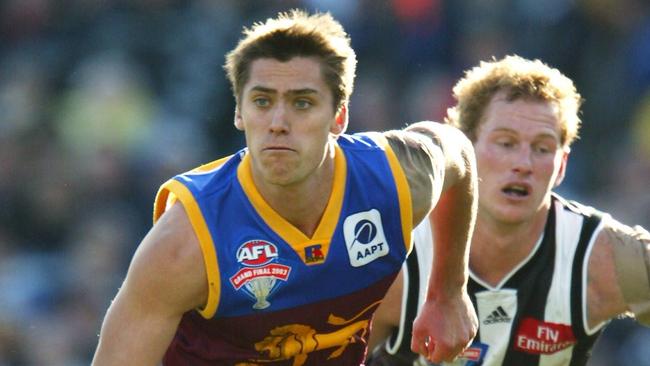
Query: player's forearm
(454,215)
(440,164)
(453,222)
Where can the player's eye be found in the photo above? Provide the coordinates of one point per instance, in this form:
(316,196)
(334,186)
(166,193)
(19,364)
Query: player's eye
(261,101)
(303,103)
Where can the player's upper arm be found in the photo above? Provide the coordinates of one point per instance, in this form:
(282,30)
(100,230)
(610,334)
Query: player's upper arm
(619,273)
(166,278)
(434,157)
(632,256)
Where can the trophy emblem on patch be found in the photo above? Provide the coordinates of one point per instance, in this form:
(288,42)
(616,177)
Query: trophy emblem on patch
(260,288)
(259,272)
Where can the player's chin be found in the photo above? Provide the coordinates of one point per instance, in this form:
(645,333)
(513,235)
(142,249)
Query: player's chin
(514,215)
(281,175)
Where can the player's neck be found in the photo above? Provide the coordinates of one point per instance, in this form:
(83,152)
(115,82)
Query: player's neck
(498,248)
(303,204)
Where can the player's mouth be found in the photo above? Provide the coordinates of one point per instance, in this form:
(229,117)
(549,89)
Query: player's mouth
(517,190)
(277,148)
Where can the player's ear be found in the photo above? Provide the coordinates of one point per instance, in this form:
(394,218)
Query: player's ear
(562,172)
(239,124)
(340,121)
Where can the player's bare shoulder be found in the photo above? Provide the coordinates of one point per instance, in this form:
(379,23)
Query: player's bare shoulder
(434,156)
(421,160)
(171,251)
(631,248)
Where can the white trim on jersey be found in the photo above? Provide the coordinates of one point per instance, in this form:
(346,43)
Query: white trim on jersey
(512,272)
(393,348)
(585,272)
(424,235)
(423,245)
(558,302)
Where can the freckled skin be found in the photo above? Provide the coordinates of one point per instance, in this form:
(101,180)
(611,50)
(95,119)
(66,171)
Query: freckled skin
(518,143)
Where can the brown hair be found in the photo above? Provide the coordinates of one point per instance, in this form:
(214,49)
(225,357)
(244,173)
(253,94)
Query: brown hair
(518,78)
(292,35)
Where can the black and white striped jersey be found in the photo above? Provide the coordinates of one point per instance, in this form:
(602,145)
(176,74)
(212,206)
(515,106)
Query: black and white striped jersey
(537,315)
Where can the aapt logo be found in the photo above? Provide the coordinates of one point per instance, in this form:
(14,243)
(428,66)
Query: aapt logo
(259,272)
(364,237)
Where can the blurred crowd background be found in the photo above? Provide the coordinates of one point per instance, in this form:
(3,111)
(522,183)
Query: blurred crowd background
(102,100)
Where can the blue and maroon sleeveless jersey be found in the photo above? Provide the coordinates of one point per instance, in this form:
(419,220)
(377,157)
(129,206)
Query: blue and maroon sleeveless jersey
(276,296)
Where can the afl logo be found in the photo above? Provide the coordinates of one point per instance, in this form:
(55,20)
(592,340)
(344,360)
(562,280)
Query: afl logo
(256,253)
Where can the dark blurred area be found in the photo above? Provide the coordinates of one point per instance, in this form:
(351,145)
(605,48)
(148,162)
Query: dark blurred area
(101,101)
